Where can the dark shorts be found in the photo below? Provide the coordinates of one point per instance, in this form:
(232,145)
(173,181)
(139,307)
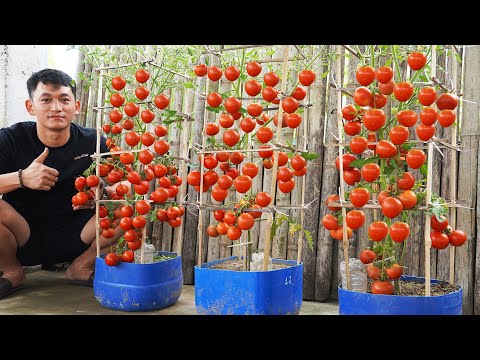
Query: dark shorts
(55,240)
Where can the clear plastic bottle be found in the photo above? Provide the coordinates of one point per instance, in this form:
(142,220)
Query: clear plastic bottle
(358,275)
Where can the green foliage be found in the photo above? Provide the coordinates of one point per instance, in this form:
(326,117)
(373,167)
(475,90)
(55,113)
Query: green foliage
(293,227)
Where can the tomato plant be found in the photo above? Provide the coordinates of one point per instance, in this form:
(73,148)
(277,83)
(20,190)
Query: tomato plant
(385,164)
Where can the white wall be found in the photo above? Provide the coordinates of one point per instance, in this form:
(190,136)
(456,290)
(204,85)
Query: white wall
(17,63)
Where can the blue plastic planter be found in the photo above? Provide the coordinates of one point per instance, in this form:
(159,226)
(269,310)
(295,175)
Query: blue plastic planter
(229,292)
(138,287)
(358,303)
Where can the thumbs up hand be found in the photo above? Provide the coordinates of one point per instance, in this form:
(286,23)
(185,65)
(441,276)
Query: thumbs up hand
(38,176)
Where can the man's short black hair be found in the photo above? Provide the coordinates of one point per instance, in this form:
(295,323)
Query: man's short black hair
(50,76)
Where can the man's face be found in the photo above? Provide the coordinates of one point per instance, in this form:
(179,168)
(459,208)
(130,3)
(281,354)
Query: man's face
(54,106)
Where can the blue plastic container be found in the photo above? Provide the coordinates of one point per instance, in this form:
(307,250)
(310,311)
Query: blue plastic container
(229,292)
(138,287)
(358,303)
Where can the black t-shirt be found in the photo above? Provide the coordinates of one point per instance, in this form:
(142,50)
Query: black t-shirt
(20,145)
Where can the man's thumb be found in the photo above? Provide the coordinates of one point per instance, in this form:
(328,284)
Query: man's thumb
(41,158)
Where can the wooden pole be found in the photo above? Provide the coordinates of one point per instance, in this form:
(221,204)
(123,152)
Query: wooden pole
(453,179)
(201,212)
(340,155)
(266,251)
(428,241)
(97,170)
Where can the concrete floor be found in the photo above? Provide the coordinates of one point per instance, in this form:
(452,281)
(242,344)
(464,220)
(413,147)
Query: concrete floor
(46,293)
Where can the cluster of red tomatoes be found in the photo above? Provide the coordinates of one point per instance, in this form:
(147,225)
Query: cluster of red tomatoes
(366,123)
(84,186)
(232,223)
(231,123)
(133,166)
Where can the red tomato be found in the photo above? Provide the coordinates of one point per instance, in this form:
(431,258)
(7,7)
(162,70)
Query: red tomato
(298,162)
(232,73)
(407,117)
(271,79)
(128,256)
(378,101)
(242,183)
(425,132)
(349,112)
(351,128)
(415,158)
(447,101)
(428,116)
(200,70)
(212,231)
(264,134)
(394,271)
(386,149)
(117,99)
(298,93)
(391,207)
(351,177)
(362,96)
(245,221)
(399,134)
(161,147)
(439,239)
(427,95)
(142,75)
(161,130)
(355,219)
(214,73)
(290,105)
(231,137)
(141,92)
(232,105)
(214,99)
(387,88)
(269,93)
(330,222)
(367,256)
(446,117)
(384,74)
(131,109)
(438,225)
(118,83)
(358,144)
(254,109)
(263,199)
(416,60)
(370,172)
(161,101)
(306,77)
(142,207)
(332,198)
(338,234)
(247,124)
(403,91)
(286,186)
(365,75)
(250,169)
(373,272)
(359,196)
(399,231)
(253,87)
(212,129)
(254,68)
(408,199)
(347,159)
(111,259)
(457,237)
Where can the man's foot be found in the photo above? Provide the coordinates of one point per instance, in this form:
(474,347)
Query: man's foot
(75,273)
(86,283)
(7,289)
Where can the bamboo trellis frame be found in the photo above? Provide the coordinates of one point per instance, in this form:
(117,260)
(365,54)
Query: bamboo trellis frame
(430,146)
(201,149)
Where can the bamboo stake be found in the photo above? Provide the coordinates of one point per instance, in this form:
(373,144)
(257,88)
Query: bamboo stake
(266,251)
(453,183)
(340,154)
(97,170)
(428,241)
(201,212)
(302,203)
(183,169)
